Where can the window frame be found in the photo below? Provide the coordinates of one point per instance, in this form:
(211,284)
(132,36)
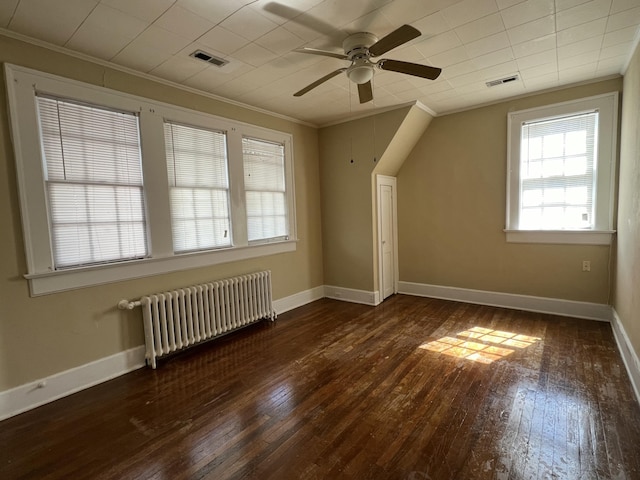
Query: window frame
(22,86)
(58,179)
(279,237)
(604,191)
(173,187)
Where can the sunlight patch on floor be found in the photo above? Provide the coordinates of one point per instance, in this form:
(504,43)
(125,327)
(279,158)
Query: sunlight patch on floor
(482,345)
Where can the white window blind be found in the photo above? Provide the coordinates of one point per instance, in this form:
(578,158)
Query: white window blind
(93,178)
(265,189)
(199,187)
(558,165)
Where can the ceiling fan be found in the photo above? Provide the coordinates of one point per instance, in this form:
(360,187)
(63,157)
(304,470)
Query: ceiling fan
(359,49)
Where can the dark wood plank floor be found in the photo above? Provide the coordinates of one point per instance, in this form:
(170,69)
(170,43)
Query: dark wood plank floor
(413,389)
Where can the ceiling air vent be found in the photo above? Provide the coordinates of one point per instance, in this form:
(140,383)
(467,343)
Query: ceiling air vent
(207,57)
(511,78)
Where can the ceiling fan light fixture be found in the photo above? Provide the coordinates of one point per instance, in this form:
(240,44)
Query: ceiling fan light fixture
(360,73)
(359,48)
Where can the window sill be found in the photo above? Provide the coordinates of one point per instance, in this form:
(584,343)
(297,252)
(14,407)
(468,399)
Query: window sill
(71,279)
(572,237)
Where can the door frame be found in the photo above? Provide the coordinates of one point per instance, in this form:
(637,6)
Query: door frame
(387,180)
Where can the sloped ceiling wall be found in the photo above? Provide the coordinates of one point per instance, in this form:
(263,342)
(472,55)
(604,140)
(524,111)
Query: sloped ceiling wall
(351,153)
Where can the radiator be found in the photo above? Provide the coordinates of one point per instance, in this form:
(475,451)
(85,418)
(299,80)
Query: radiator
(187,316)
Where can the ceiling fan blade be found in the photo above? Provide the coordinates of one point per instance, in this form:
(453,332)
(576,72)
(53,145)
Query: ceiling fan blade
(324,53)
(415,69)
(365,92)
(396,38)
(303,19)
(320,81)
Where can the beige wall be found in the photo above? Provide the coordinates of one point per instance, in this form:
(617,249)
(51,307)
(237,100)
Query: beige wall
(347,226)
(451,194)
(451,202)
(49,334)
(627,269)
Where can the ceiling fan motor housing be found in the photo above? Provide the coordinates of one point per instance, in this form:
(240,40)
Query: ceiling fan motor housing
(358,43)
(356,48)
(359,48)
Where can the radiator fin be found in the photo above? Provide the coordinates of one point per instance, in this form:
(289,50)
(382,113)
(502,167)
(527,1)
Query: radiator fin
(180,318)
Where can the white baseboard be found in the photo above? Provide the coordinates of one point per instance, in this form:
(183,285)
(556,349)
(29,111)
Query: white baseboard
(352,295)
(555,306)
(45,390)
(298,299)
(36,393)
(628,354)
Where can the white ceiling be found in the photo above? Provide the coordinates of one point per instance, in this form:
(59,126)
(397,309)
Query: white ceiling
(548,42)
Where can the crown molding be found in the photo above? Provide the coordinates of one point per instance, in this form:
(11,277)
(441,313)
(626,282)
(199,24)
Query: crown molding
(114,66)
(532,94)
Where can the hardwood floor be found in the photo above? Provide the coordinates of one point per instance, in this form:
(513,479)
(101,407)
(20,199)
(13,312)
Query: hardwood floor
(413,389)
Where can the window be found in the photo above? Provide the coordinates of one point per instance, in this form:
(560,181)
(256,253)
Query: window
(561,171)
(199,187)
(93,182)
(114,186)
(557,170)
(265,189)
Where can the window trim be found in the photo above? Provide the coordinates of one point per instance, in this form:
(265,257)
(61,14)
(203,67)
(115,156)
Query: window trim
(22,85)
(173,185)
(278,238)
(602,233)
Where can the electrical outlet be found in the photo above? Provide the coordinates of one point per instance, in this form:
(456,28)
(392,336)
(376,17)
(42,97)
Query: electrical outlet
(586,265)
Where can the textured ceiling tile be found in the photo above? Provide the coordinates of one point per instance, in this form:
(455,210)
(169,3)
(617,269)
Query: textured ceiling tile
(406,11)
(535,45)
(587,58)
(45,20)
(7,7)
(248,24)
(105,32)
(621,5)
(431,24)
(541,58)
(623,35)
(254,54)
(529,31)
(450,57)
(280,41)
(178,68)
(624,19)
(582,13)
(223,40)
(488,44)
(183,22)
(502,4)
(438,44)
(494,58)
(581,32)
(146,10)
(526,12)
(161,39)
(592,44)
(468,11)
(484,27)
(141,57)
(613,65)
(539,70)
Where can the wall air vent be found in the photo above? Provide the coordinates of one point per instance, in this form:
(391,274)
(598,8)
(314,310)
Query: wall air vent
(510,78)
(207,57)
